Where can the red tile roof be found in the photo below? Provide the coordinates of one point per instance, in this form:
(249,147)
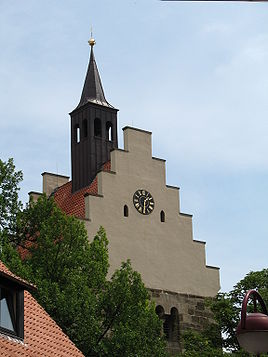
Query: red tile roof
(73,203)
(42,336)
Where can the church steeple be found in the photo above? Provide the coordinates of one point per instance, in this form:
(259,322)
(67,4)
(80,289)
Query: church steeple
(93,128)
(93,91)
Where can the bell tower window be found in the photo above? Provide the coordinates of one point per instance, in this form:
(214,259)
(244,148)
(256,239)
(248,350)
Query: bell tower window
(84,128)
(162,216)
(109,133)
(77,133)
(97,127)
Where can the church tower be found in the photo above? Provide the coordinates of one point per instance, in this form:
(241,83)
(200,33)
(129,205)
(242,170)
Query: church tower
(140,212)
(93,129)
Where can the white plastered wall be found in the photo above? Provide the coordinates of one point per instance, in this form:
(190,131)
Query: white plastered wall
(163,252)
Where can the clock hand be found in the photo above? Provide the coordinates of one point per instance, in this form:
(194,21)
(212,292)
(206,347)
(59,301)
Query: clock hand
(146,199)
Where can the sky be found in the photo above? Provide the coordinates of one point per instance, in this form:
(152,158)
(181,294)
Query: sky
(193,73)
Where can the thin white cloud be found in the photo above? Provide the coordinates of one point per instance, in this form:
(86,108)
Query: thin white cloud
(218,28)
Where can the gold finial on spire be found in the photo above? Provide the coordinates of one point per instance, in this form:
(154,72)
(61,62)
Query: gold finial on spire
(91,41)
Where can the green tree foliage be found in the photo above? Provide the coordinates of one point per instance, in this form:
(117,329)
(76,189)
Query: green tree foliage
(226,313)
(9,201)
(257,280)
(102,317)
(10,208)
(198,344)
(130,319)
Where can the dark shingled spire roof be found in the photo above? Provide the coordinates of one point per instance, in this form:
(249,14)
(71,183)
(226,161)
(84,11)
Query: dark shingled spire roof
(93,91)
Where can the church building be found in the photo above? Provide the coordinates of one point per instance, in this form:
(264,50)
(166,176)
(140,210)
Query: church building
(125,191)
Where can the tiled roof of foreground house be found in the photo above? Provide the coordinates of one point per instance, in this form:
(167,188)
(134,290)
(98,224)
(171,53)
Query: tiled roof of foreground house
(42,336)
(4,271)
(73,203)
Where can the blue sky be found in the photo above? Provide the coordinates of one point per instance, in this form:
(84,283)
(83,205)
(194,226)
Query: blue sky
(195,74)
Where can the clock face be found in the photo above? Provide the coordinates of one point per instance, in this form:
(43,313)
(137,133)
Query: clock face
(143,201)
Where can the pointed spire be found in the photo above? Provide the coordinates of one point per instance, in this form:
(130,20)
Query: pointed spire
(93,91)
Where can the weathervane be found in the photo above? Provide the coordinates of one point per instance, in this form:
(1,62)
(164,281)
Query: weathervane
(91,41)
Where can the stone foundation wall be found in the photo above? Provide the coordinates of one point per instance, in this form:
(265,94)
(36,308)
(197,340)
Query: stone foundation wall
(180,312)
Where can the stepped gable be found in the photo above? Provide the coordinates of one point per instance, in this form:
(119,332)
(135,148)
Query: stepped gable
(42,336)
(72,203)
